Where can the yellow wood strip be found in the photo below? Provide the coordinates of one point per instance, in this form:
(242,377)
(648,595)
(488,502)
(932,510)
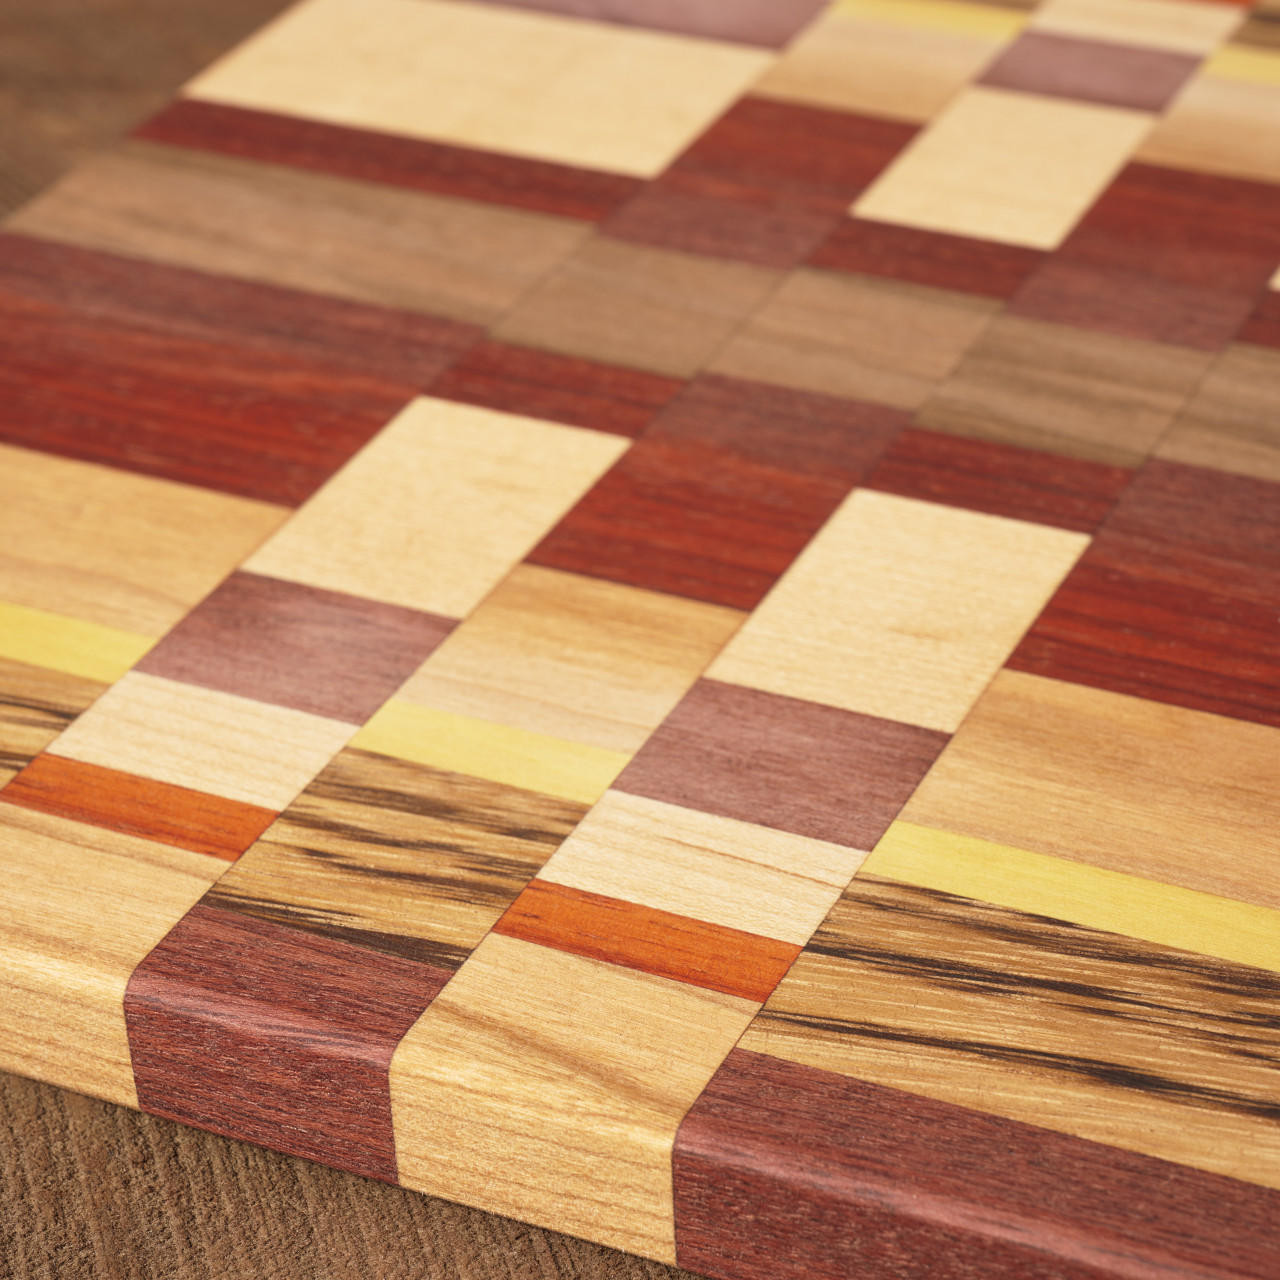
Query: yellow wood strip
(1240,62)
(72,645)
(986,20)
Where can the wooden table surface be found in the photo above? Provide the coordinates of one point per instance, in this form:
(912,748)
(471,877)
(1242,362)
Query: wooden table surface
(662,620)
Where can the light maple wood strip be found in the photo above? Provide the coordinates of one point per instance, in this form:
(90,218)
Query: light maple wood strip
(524,1089)
(900,609)
(1188,26)
(83,907)
(573,657)
(1176,796)
(119,550)
(437,509)
(36,705)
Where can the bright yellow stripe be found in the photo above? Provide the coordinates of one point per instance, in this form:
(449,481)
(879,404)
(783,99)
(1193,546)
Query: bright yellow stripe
(1240,62)
(1078,893)
(482,749)
(68,644)
(938,15)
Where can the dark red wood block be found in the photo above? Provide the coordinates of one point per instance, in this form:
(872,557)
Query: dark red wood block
(798,766)
(273,1036)
(1263,325)
(799,431)
(838,1178)
(1000,479)
(542,384)
(667,945)
(142,807)
(692,520)
(414,163)
(1175,599)
(297,646)
(932,258)
(1063,66)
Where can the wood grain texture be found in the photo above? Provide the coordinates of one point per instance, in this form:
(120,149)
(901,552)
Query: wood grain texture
(1171,795)
(681,861)
(1138,1046)
(296,646)
(36,705)
(572,657)
(83,907)
(70,645)
(900,609)
(439,507)
(487,1113)
(881,1183)
(1263,324)
(1187,26)
(282,1038)
(391,158)
(625,100)
(204,740)
(397,858)
(648,940)
(714,749)
(118,801)
(125,551)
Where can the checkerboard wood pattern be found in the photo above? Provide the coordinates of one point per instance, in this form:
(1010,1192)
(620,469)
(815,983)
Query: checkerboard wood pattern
(665,619)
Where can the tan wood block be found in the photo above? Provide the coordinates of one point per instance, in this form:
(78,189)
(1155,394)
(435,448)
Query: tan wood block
(1014,167)
(438,507)
(1178,796)
(573,657)
(83,907)
(304,230)
(900,609)
(111,547)
(694,864)
(204,739)
(1188,26)
(584,93)
(549,1087)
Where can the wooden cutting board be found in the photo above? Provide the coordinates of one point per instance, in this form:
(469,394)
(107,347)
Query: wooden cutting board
(665,619)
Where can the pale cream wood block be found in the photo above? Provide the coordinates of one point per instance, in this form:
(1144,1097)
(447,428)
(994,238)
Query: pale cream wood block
(204,739)
(1182,797)
(549,1087)
(901,609)
(1013,167)
(83,907)
(126,551)
(584,93)
(439,506)
(708,868)
(573,657)
(1187,26)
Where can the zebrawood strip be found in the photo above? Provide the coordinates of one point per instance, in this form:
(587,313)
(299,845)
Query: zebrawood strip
(36,705)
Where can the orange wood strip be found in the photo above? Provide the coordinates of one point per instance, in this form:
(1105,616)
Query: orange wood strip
(659,942)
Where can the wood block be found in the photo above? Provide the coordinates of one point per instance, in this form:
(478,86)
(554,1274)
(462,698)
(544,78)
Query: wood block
(136,806)
(1062,889)
(646,940)
(903,59)
(844,1177)
(1263,326)
(123,551)
(304,230)
(205,740)
(576,658)
(397,858)
(1000,479)
(1186,26)
(776,762)
(1141,1047)
(438,507)
(1171,795)
(1016,168)
(1093,396)
(900,609)
(487,1114)
(70,645)
(83,907)
(728,873)
(549,88)
(555,388)
(273,1036)
(861,337)
(36,704)
(641,307)
(296,646)
(486,176)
